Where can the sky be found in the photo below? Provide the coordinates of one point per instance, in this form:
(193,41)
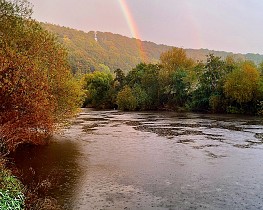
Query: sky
(226,25)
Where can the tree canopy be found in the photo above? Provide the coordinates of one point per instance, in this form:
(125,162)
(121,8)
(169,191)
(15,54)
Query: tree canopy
(37,89)
(242,83)
(178,83)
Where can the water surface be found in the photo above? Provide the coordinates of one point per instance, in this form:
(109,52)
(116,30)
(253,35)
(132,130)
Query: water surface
(154,160)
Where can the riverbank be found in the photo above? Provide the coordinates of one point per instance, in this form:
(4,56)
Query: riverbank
(12,194)
(17,192)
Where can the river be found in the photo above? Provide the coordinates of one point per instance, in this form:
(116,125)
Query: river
(151,160)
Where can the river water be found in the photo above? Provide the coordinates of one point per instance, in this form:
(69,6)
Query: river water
(151,160)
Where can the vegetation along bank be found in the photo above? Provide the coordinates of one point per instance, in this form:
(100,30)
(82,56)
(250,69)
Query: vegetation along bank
(178,82)
(37,90)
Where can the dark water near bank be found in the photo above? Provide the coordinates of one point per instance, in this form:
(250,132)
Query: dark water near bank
(151,160)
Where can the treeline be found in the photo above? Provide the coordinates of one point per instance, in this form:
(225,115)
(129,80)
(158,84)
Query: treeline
(177,82)
(37,89)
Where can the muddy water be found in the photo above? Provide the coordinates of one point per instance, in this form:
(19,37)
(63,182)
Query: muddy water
(153,160)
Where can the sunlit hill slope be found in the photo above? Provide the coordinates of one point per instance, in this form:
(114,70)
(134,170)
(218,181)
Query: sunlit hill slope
(109,51)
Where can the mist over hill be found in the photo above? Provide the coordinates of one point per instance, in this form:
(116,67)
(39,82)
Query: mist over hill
(107,51)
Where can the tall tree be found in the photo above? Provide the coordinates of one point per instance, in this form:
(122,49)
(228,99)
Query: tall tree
(209,91)
(175,76)
(36,87)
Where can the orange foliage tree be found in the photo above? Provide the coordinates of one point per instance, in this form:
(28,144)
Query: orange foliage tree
(36,87)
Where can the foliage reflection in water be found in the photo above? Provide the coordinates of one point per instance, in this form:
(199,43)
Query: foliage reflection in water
(50,171)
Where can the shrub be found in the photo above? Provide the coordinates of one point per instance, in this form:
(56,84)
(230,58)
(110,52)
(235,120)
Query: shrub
(11,195)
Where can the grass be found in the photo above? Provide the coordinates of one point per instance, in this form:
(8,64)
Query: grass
(11,191)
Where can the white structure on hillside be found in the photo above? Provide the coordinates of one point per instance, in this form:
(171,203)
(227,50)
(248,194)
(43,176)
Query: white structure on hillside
(95,36)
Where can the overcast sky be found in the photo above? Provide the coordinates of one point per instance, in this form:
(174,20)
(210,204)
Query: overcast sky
(229,25)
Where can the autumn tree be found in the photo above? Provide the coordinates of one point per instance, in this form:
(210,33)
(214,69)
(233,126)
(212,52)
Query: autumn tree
(36,87)
(242,84)
(175,59)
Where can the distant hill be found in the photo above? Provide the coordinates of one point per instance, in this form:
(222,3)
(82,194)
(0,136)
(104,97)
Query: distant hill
(108,51)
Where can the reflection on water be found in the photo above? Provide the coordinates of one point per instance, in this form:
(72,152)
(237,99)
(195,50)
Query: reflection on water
(151,160)
(51,170)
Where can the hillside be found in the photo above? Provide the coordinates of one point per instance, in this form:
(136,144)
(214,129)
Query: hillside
(108,51)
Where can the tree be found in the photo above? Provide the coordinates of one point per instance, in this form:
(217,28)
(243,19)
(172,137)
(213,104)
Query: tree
(179,88)
(176,75)
(143,101)
(214,73)
(209,91)
(260,67)
(150,83)
(119,79)
(98,86)
(143,80)
(243,83)
(175,59)
(126,100)
(134,77)
(36,87)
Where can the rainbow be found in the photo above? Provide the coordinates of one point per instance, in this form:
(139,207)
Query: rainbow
(193,26)
(133,28)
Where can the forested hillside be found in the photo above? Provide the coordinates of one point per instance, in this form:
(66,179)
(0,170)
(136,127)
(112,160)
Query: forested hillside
(108,51)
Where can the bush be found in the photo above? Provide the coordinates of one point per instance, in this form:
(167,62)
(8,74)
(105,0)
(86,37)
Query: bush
(11,195)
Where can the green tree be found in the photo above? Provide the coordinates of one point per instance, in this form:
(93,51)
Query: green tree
(150,84)
(242,84)
(213,74)
(98,87)
(134,77)
(144,79)
(260,67)
(143,101)
(175,77)
(126,100)
(209,91)
(179,88)
(119,79)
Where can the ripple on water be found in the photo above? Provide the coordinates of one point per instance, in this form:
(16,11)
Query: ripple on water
(160,160)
